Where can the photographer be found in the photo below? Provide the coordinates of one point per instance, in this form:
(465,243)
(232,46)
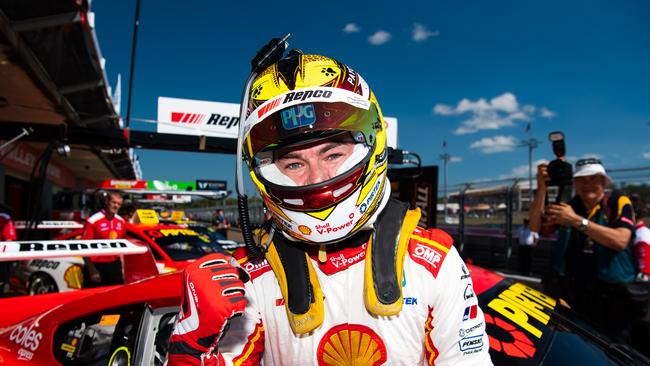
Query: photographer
(593,256)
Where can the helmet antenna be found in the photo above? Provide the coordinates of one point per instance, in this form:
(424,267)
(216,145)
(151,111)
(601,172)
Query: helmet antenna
(267,55)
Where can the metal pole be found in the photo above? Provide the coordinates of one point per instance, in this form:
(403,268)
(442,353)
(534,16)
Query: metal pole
(461,219)
(25,132)
(531,143)
(446,172)
(136,23)
(445,157)
(530,174)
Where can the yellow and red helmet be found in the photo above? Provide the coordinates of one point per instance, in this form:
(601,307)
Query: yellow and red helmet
(305,98)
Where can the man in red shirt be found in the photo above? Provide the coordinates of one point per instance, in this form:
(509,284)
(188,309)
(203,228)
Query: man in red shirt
(105,224)
(7,233)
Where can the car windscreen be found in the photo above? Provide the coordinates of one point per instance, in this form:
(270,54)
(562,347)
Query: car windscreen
(182,244)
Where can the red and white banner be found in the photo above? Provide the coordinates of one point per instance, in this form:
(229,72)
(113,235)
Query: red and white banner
(124,184)
(23,157)
(197,117)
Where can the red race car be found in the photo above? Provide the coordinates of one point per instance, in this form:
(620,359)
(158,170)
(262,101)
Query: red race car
(131,325)
(173,247)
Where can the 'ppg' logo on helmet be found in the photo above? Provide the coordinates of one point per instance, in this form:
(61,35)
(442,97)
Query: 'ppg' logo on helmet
(298,116)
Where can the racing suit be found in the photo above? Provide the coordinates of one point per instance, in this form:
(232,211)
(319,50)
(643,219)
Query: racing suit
(438,306)
(98,226)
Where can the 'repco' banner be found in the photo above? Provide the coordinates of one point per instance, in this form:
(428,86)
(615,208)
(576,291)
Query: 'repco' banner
(197,117)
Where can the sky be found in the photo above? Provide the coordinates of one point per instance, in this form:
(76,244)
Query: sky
(475,74)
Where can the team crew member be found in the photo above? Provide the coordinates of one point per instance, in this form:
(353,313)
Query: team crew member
(7,233)
(348,278)
(595,240)
(105,224)
(220,223)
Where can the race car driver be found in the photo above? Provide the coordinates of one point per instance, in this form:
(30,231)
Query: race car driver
(349,279)
(105,224)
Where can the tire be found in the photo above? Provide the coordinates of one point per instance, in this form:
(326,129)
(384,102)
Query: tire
(41,283)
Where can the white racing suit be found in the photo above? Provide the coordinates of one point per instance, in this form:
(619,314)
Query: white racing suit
(440,322)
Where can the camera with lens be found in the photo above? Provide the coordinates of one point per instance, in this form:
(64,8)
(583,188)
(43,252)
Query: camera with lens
(559,171)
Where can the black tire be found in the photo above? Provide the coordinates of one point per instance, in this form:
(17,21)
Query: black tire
(41,283)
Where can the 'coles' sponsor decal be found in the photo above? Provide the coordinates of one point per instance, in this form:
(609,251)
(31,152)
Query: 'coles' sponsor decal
(28,339)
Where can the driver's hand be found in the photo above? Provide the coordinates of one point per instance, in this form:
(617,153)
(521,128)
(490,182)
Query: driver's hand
(213,293)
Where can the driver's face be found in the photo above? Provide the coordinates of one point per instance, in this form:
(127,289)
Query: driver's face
(314,164)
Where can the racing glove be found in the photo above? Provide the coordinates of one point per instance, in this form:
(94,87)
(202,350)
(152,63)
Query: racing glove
(213,293)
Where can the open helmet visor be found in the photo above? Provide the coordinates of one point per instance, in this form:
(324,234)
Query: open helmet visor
(302,123)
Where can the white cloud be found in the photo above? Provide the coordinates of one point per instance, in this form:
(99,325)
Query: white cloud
(491,145)
(443,109)
(351,28)
(380,37)
(521,171)
(505,102)
(499,112)
(547,113)
(421,33)
(646,155)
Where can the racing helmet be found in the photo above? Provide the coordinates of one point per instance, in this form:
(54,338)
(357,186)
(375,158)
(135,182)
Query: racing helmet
(303,100)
